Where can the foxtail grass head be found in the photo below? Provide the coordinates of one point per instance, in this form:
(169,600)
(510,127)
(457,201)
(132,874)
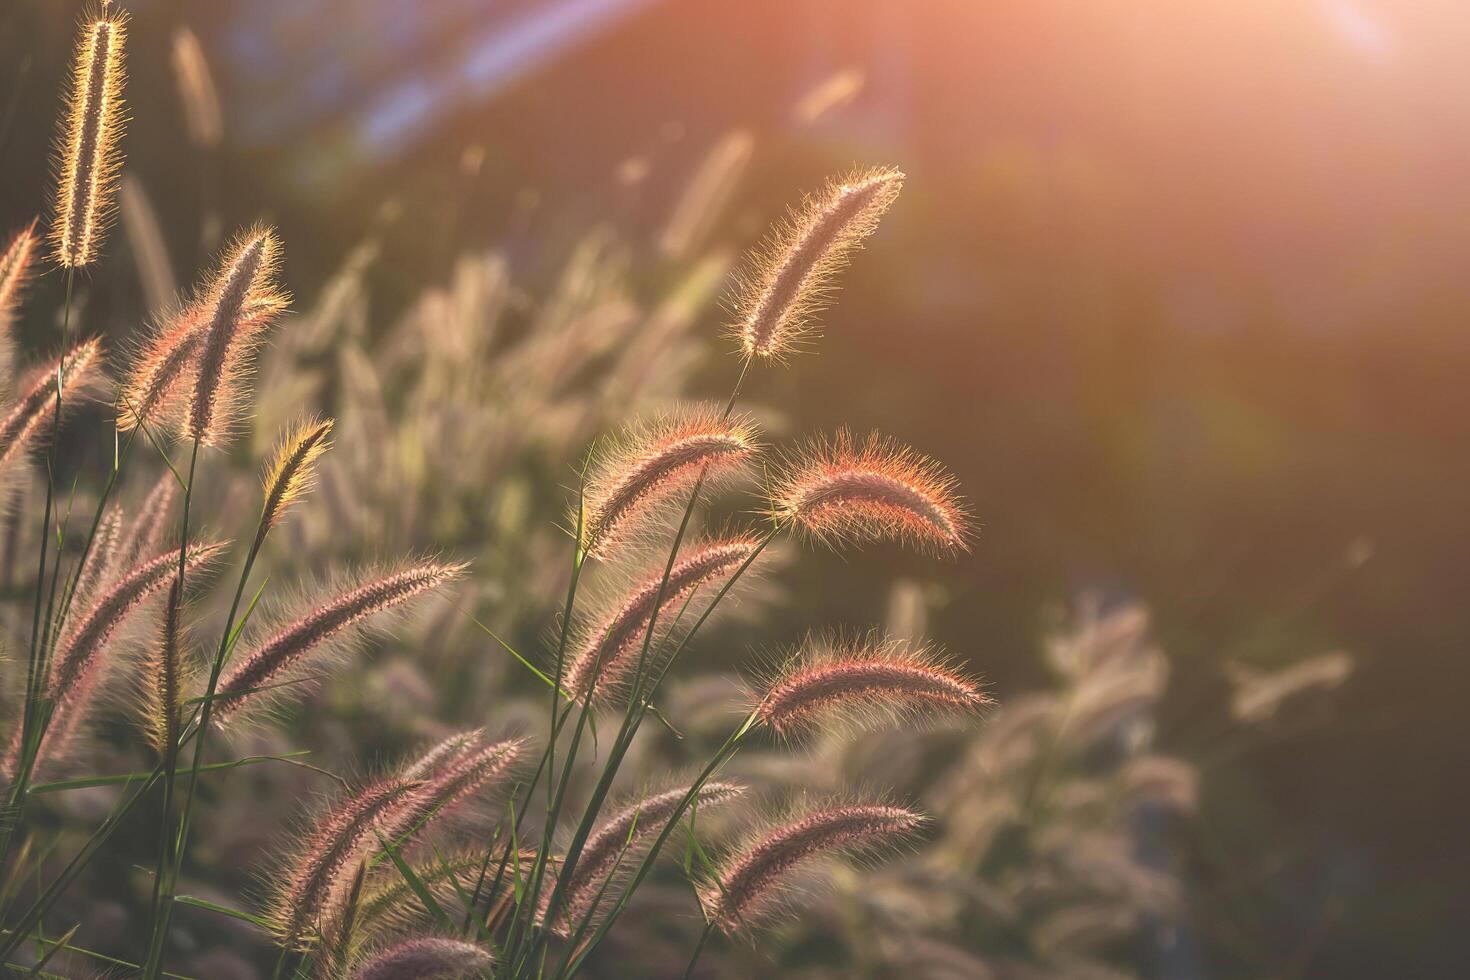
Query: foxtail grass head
(292,472)
(860,683)
(607,656)
(15,272)
(789,279)
(87,151)
(651,463)
(271,672)
(619,841)
(425,958)
(841,490)
(232,317)
(751,885)
(34,412)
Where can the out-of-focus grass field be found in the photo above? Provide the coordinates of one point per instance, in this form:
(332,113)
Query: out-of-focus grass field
(1178,291)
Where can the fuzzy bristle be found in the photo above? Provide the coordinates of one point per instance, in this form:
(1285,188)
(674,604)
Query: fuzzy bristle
(426,958)
(79,658)
(864,683)
(787,281)
(840,489)
(749,886)
(618,840)
(15,272)
(313,880)
(35,409)
(89,158)
(159,369)
(234,314)
(451,773)
(165,679)
(609,650)
(653,461)
(279,656)
(292,473)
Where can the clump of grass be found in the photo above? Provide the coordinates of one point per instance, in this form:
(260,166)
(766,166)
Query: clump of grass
(562,866)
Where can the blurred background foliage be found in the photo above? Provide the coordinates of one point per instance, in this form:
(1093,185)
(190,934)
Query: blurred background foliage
(1177,290)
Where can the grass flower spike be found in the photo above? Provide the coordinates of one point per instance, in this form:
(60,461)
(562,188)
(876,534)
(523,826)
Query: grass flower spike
(609,651)
(426,958)
(312,882)
(866,683)
(789,278)
(279,657)
(35,410)
(15,271)
(654,461)
(292,474)
(88,153)
(232,317)
(749,887)
(165,679)
(79,658)
(839,489)
(619,839)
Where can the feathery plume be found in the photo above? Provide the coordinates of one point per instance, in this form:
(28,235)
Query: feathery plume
(15,269)
(76,669)
(652,462)
(451,772)
(165,679)
(621,836)
(34,412)
(868,682)
(306,892)
(426,958)
(788,279)
(292,475)
(608,653)
(839,489)
(89,159)
(280,655)
(749,886)
(234,314)
(160,368)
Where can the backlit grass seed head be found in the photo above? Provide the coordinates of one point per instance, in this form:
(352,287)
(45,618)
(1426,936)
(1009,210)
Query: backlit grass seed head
(840,489)
(451,774)
(292,472)
(313,878)
(234,313)
(749,887)
(608,650)
(863,683)
(651,463)
(426,958)
(619,840)
(159,370)
(33,413)
(79,658)
(98,565)
(166,677)
(89,160)
(280,657)
(15,272)
(788,280)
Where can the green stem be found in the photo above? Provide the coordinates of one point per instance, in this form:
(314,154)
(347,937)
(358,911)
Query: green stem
(709,927)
